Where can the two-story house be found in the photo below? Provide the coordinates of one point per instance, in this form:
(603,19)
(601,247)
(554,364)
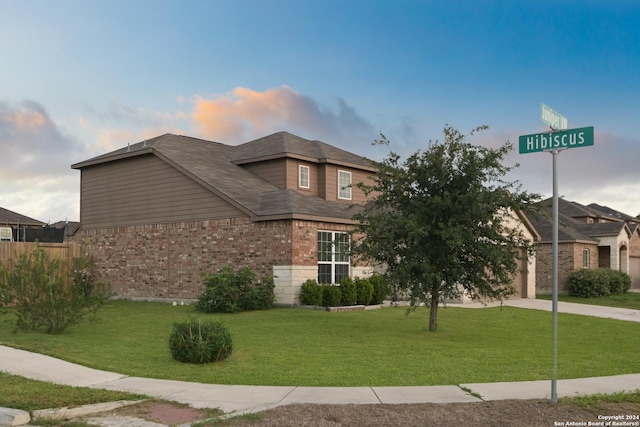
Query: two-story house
(158,214)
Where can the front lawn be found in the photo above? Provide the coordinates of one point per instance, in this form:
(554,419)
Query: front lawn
(627,300)
(365,348)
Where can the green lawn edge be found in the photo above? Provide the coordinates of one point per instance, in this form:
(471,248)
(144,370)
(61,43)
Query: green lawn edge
(385,347)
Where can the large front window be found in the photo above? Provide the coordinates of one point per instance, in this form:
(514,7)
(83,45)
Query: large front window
(333,256)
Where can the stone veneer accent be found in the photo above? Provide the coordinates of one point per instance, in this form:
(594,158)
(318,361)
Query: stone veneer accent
(167,261)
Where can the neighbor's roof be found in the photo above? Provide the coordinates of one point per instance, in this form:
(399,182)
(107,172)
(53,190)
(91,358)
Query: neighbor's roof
(570,229)
(217,167)
(567,232)
(14,218)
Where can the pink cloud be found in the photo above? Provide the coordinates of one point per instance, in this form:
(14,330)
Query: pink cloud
(246,114)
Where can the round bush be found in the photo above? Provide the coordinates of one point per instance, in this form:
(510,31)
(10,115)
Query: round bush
(381,289)
(588,283)
(311,293)
(349,291)
(331,295)
(365,291)
(619,282)
(196,341)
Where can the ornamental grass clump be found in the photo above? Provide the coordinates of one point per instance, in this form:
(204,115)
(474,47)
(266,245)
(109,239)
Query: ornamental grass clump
(196,341)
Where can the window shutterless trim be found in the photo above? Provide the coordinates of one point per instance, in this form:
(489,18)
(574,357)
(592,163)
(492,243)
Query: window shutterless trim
(300,176)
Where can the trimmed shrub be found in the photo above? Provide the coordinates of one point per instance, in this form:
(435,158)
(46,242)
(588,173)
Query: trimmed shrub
(195,341)
(311,293)
(349,291)
(331,295)
(230,291)
(587,283)
(50,294)
(619,282)
(365,291)
(597,283)
(381,289)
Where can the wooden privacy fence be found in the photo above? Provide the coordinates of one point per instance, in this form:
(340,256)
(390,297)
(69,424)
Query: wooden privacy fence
(64,251)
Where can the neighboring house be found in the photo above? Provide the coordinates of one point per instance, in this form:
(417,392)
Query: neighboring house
(588,237)
(58,232)
(158,214)
(16,227)
(634,242)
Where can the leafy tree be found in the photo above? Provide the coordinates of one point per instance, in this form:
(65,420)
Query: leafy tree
(441,222)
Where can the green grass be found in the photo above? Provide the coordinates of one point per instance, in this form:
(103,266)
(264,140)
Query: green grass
(628,300)
(365,348)
(22,393)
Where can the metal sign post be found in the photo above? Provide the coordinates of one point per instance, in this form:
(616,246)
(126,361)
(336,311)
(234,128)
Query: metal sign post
(554,288)
(555,141)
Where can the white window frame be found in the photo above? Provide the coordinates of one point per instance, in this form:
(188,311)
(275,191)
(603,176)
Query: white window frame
(344,189)
(6,234)
(333,251)
(301,176)
(586,257)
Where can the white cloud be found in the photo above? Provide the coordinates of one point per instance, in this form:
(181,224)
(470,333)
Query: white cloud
(35,177)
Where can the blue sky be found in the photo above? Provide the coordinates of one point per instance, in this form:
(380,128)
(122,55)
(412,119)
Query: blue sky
(80,78)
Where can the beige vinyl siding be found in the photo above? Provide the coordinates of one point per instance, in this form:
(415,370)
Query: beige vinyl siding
(329,173)
(293,167)
(145,190)
(274,171)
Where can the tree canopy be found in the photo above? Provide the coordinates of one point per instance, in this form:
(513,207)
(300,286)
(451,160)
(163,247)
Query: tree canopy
(442,222)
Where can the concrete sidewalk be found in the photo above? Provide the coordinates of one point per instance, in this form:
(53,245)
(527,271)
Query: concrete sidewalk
(241,399)
(625,314)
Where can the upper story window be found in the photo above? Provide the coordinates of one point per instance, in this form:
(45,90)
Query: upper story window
(344,185)
(303,176)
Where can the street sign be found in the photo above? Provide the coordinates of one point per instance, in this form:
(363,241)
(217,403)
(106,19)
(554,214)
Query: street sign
(572,138)
(552,118)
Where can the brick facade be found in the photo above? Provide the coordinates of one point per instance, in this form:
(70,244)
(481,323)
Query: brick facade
(569,259)
(166,261)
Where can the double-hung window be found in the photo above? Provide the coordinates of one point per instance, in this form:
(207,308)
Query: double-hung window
(344,185)
(585,258)
(333,256)
(303,176)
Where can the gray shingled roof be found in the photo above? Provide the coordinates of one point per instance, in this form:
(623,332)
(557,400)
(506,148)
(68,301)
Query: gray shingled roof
(572,230)
(11,217)
(283,144)
(217,167)
(607,212)
(566,230)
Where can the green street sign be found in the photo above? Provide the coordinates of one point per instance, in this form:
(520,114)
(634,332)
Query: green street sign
(553,118)
(571,138)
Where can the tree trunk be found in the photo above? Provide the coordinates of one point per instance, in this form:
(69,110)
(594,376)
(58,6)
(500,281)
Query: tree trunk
(433,312)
